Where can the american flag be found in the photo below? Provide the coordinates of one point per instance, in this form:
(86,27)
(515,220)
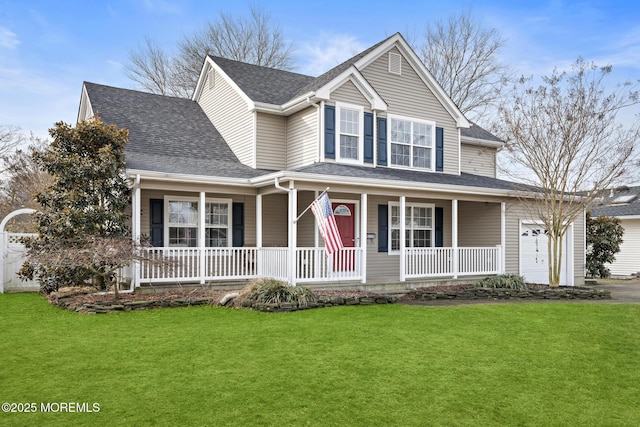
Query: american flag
(321,208)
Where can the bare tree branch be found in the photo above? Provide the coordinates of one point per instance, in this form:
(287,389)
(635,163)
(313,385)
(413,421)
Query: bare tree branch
(254,39)
(562,136)
(462,55)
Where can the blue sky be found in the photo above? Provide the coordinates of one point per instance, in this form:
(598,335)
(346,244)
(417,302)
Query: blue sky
(48,48)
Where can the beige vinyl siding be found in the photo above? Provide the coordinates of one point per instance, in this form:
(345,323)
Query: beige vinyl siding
(628,259)
(249,210)
(515,213)
(229,113)
(270,141)
(306,224)
(274,220)
(302,138)
(478,224)
(478,160)
(407,95)
(349,93)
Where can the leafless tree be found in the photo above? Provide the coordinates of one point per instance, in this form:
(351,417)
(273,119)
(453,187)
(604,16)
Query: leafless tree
(254,39)
(10,139)
(22,180)
(562,137)
(150,67)
(462,54)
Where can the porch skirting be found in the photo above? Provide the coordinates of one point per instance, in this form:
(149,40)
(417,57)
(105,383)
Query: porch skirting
(312,265)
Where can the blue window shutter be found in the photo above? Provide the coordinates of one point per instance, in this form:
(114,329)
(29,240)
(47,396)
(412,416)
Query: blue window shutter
(237,221)
(383,228)
(382,141)
(329,132)
(368,137)
(156,220)
(439,149)
(439,221)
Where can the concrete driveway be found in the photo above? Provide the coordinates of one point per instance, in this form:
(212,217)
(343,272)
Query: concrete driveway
(622,291)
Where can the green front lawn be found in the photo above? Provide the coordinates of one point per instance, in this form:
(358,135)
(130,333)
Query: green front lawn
(507,364)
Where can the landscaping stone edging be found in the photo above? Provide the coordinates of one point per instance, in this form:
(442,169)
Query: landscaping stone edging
(566,293)
(497,293)
(323,302)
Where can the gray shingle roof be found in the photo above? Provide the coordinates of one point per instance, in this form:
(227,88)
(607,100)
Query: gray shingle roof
(465,179)
(263,84)
(477,132)
(609,207)
(166,134)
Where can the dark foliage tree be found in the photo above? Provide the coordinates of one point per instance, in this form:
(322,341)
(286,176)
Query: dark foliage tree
(604,237)
(87,199)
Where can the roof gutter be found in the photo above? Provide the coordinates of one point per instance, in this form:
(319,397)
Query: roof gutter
(193,179)
(482,142)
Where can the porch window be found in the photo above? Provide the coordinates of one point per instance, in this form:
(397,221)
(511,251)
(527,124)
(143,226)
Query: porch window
(183,223)
(216,221)
(418,226)
(411,143)
(349,132)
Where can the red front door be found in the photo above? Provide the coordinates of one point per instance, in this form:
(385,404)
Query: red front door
(345,214)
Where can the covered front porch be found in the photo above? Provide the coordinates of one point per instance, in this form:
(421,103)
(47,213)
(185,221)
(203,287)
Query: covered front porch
(445,238)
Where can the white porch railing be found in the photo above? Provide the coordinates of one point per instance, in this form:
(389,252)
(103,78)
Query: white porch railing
(313,265)
(274,263)
(166,265)
(170,265)
(438,262)
(474,261)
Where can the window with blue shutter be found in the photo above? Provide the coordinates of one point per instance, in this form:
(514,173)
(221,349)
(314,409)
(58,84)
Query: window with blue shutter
(368,137)
(238,224)
(439,149)
(382,141)
(383,228)
(330,132)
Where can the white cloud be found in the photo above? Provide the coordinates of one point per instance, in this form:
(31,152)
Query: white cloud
(8,39)
(327,51)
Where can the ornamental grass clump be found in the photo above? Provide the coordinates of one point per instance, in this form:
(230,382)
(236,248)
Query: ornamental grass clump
(503,281)
(272,291)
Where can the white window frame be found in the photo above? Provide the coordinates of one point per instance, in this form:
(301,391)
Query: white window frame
(359,135)
(413,121)
(410,228)
(167,225)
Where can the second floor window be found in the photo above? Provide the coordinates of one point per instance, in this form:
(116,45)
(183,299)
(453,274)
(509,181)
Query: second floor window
(411,143)
(349,133)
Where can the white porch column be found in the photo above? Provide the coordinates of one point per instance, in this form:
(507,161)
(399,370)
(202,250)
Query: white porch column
(454,236)
(292,232)
(135,228)
(363,237)
(259,234)
(503,234)
(403,227)
(201,236)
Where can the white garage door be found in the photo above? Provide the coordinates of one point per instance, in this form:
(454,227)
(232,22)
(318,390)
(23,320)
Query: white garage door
(534,255)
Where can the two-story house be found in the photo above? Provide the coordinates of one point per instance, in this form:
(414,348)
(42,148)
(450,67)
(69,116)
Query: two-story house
(220,180)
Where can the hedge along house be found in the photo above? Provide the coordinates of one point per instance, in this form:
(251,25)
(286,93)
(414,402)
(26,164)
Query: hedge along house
(219,179)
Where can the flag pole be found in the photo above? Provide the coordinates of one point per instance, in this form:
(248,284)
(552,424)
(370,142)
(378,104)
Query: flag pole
(309,207)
